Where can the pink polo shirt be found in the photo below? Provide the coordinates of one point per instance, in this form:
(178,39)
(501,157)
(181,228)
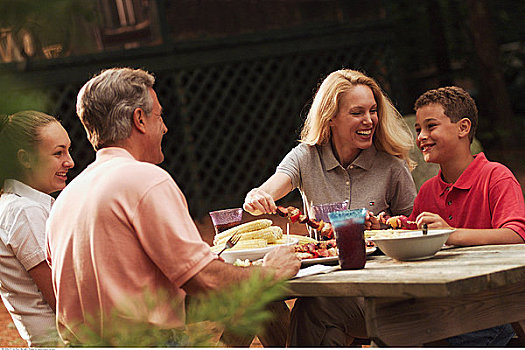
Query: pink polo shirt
(120,228)
(486,195)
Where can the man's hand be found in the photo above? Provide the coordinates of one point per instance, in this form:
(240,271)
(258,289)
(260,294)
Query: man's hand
(258,202)
(434,221)
(283,261)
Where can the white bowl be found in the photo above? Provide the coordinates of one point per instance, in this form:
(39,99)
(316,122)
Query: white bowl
(230,256)
(412,245)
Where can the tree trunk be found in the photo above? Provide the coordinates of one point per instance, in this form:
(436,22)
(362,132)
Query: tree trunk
(493,92)
(440,46)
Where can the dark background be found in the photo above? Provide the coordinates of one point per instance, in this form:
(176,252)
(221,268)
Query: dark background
(236,77)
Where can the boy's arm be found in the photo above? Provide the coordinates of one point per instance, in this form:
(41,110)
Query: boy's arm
(466,236)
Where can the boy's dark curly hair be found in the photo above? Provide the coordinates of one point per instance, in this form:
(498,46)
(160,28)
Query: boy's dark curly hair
(456,102)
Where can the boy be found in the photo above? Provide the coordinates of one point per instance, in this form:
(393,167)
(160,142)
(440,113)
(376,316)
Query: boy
(482,199)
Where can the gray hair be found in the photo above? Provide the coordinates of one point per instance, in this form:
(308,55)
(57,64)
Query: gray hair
(106,103)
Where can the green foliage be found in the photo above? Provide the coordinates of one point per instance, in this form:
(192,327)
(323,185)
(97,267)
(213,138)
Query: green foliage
(13,100)
(240,309)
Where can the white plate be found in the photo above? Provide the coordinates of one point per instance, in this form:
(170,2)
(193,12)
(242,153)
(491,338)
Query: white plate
(230,256)
(330,260)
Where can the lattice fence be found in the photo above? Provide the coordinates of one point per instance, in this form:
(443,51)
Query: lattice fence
(230,124)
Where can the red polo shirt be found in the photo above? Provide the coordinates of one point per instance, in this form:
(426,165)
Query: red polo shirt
(486,195)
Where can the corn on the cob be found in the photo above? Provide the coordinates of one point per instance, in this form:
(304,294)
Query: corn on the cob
(302,239)
(269,234)
(278,232)
(246,227)
(281,241)
(266,234)
(250,244)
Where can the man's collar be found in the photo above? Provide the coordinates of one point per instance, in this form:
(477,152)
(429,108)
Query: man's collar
(111,152)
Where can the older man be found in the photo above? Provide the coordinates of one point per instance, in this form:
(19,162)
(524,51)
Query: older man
(122,226)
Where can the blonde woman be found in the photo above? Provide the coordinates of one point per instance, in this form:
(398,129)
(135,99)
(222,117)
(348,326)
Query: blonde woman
(35,159)
(354,146)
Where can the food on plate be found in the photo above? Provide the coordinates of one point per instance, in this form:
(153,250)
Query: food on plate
(247,262)
(248,244)
(270,234)
(321,249)
(293,214)
(246,227)
(389,233)
(300,238)
(400,222)
(253,234)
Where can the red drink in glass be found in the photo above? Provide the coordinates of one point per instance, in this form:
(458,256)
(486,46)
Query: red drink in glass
(225,219)
(349,234)
(351,245)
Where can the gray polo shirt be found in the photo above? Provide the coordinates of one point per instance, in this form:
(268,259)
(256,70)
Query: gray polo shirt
(375,180)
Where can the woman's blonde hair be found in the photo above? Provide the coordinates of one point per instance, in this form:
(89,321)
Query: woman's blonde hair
(392,134)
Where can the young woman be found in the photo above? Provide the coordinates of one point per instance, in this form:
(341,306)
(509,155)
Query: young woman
(354,146)
(35,159)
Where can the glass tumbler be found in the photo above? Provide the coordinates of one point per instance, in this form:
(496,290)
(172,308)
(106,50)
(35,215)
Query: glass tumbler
(225,219)
(321,210)
(349,226)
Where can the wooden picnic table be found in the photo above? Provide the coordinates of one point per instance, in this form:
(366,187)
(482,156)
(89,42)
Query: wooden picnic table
(459,290)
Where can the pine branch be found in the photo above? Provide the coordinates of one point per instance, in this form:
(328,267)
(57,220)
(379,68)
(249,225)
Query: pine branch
(239,309)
